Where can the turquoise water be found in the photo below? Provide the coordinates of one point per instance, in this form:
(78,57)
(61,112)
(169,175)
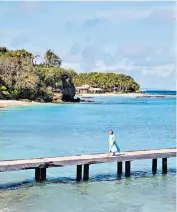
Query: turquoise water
(52,130)
(160,92)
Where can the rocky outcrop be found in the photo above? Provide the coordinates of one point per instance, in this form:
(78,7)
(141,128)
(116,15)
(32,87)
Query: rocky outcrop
(57,97)
(68,91)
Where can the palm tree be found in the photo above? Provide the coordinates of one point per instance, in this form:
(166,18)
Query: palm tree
(51,59)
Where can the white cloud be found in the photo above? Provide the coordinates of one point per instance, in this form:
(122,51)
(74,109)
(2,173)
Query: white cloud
(156,62)
(71,65)
(124,65)
(163,71)
(134,13)
(124,13)
(128,67)
(143,60)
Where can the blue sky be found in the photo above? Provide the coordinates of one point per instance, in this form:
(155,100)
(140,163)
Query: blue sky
(134,38)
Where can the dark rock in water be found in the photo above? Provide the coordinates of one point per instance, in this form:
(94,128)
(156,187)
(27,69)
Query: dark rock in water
(151,96)
(69,90)
(86,100)
(90,102)
(87,97)
(76,100)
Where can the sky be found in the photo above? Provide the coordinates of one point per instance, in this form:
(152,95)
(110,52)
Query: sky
(133,38)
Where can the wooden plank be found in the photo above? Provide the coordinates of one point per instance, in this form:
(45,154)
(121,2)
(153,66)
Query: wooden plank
(154,165)
(164,165)
(79,173)
(119,168)
(86,172)
(127,168)
(13,165)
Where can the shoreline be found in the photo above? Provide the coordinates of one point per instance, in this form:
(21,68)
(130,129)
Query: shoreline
(11,103)
(132,95)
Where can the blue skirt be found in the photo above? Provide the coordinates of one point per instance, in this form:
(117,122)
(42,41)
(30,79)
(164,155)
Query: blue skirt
(114,148)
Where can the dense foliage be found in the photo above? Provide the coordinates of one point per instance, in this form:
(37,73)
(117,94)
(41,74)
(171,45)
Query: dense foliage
(22,78)
(107,81)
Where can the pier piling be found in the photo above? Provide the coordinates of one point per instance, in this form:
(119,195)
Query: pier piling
(86,172)
(127,168)
(79,173)
(119,168)
(164,165)
(154,166)
(40,174)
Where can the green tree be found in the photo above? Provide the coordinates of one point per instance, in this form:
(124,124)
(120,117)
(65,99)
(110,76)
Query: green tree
(22,78)
(3,50)
(51,59)
(108,81)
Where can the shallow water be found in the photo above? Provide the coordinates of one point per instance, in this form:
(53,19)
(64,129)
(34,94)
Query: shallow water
(52,130)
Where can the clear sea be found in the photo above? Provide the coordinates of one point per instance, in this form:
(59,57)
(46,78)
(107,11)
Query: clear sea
(160,92)
(53,130)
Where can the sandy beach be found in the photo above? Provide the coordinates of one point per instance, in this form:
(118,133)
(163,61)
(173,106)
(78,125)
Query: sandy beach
(7,103)
(133,95)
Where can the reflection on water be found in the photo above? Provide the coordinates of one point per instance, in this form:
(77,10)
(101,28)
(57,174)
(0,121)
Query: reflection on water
(147,194)
(96,178)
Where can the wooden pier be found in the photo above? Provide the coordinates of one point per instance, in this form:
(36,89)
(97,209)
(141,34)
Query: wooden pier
(82,162)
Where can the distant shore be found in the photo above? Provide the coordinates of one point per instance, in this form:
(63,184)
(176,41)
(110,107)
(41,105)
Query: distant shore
(135,95)
(10,103)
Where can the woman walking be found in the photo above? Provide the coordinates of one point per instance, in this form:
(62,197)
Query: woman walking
(113,147)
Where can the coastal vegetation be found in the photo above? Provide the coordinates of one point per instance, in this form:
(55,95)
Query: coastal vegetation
(108,81)
(21,77)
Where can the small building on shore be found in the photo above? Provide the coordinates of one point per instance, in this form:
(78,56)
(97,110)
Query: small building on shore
(87,89)
(83,89)
(96,90)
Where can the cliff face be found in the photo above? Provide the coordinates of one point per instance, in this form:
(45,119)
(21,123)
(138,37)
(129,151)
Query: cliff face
(69,90)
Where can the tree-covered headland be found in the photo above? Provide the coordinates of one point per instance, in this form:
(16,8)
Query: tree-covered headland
(108,81)
(21,77)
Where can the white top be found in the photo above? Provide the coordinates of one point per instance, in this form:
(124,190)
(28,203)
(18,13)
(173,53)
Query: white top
(112,139)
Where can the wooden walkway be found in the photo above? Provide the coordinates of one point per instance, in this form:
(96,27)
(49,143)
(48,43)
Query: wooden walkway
(41,164)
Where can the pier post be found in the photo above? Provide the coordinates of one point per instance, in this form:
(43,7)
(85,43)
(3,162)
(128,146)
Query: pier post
(127,168)
(164,165)
(154,166)
(79,173)
(119,168)
(86,172)
(40,174)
